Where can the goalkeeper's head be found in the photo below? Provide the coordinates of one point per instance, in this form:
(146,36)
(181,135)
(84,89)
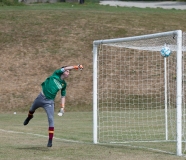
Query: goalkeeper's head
(63,67)
(65,73)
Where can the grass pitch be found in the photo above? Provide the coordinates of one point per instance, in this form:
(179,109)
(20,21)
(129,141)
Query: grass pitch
(72,140)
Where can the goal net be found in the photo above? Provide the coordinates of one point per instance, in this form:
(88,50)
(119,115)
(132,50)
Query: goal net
(138,95)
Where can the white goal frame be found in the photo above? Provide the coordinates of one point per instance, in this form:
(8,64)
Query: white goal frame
(178,34)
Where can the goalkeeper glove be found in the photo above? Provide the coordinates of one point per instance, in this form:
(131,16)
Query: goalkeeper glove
(80,67)
(61,112)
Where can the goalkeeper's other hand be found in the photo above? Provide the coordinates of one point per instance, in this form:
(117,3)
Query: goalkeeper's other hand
(80,67)
(61,112)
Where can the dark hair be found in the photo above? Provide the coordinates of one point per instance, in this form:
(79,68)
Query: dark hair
(63,66)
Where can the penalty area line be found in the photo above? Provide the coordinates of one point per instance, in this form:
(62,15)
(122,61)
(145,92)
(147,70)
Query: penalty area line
(40,135)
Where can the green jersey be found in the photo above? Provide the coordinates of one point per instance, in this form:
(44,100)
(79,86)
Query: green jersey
(53,84)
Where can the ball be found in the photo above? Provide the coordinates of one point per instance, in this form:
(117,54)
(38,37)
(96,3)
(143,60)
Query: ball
(165,51)
(60,114)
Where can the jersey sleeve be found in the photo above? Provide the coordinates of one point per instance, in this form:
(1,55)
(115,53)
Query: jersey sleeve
(59,71)
(63,92)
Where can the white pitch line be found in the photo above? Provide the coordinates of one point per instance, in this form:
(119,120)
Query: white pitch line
(66,140)
(40,135)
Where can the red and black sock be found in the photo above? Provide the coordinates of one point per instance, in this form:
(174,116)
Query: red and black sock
(50,133)
(30,114)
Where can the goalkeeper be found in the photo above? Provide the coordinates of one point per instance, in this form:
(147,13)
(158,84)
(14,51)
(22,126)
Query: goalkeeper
(45,99)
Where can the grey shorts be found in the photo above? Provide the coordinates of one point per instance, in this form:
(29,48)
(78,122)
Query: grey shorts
(47,104)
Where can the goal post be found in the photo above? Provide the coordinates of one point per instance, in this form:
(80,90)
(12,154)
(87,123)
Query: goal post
(132,85)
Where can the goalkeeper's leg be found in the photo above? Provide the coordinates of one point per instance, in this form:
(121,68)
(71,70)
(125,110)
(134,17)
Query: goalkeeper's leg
(30,116)
(48,105)
(49,108)
(36,104)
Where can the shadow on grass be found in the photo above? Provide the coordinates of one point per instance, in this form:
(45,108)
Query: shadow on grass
(34,148)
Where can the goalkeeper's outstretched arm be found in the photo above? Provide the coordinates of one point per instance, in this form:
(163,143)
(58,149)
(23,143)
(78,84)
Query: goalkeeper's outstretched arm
(65,73)
(73,67)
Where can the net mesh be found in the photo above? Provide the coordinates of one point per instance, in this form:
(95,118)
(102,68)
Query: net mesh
(131,93)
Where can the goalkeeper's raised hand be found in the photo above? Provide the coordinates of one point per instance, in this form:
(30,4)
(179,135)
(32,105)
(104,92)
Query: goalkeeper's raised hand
(80,67)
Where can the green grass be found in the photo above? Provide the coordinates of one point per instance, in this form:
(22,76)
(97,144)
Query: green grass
(73,140)
(65,126)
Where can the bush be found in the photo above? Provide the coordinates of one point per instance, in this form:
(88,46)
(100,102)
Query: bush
(10,3)
(92,1)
